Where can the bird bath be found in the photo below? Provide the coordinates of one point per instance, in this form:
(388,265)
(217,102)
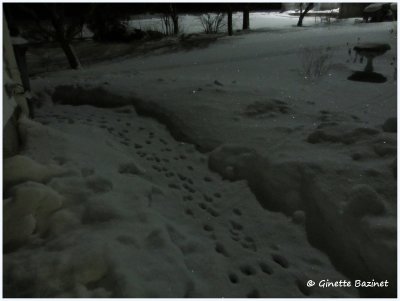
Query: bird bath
(370,51)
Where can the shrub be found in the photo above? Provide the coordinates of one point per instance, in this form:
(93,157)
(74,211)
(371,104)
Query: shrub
(212,23)
(167,25)
(315,62)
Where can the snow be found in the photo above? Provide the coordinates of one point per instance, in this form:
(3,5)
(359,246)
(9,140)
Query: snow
(190,24)
(193,174)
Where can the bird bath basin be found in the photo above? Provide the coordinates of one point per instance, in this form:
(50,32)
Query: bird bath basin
(369,51)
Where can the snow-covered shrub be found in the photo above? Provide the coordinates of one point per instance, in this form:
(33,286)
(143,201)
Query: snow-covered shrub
(212,23)
(315,62)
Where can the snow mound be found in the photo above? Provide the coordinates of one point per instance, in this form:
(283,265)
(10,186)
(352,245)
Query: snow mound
(99,184)
(235,162)
(99,211)
(17,231)
(385,145)
(27,211)
(363,200)
(20,168)
(38,199)
(166,233)
(337,134)
(302,190)
(390,125)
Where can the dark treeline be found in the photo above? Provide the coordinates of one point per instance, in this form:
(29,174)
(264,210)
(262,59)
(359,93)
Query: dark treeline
(72,9)
(62,22)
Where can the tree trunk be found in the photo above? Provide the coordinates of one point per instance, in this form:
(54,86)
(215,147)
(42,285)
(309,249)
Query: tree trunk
(175,18)
(58,24)
(303,13)
(176,26)
(70,54)
(230,30)
(246,18)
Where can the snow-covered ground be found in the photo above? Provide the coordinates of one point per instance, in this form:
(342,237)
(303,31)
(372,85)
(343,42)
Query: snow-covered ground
(192,24)
(247,179)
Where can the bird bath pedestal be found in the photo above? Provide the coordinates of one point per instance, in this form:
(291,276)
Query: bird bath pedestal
(370,51)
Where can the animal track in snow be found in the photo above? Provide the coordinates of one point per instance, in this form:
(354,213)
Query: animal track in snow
(281,260)
(237,211)
(181,177)
(212,212)
(190,212)
(156,168)
(233,278)
(207,198)
(249,243)
(266,268)
(248,270)
(188,188)
(219,248)
(253,294)
(203,206)
(208,228)
(236,225)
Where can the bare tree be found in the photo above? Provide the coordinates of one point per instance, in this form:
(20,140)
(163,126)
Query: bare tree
(246,17)
(166,24)
(175,17)
(230,27)
(170,20)
(303,13)
(62,30)
(64,34)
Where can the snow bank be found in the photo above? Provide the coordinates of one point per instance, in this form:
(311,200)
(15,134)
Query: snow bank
(19,169)
(334,213)
(140,215)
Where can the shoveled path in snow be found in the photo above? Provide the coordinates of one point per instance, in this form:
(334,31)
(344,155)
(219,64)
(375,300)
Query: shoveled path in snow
(156,221)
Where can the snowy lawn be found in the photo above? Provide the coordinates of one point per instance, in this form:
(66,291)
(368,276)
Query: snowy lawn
(255,178)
